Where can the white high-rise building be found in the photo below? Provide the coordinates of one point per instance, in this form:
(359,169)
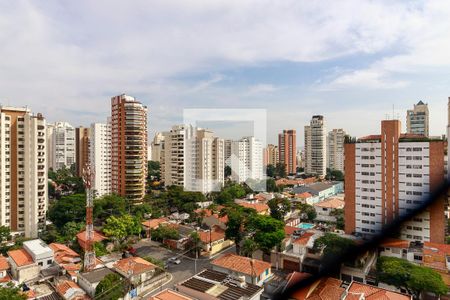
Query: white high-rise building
(61,145)
(193,158)
(23,171)
(417,119)
(335,144)
(100,157)
(156,147)
(316,147)
(246,159)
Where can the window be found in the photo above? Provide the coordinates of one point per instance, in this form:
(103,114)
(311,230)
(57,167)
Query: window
(40,263)
(49,262)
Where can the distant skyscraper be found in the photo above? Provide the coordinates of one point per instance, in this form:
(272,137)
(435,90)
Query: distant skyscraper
(81,148)
(246,159)
(287,147)
(387,175)
(227,152)
(271,155)
(23,170)
(61,142)
(129,147)
(156,147)
(172,156)
(417,119)
(100,157)
(335,143)
(316,147)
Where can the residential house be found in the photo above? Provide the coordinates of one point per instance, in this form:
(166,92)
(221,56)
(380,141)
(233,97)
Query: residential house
(325,208)
(88,281)
(153,224)
(212,284)
(69,290)
(4,268)
(67,259)
(255,271)
(136,270)
(261,208)
(213,241)
(323,190)
(40,252)
(212,218)
(23,268)
(361,269)
(170,295)
(81,237)
(369,292)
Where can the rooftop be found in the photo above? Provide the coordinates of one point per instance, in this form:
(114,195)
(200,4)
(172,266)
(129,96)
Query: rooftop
(375,293)
(331,203)
(211,236)
(304,239)
(135,265)
(170,295)
(20,257)
(38,246)
(241,264)
(98,237)
(96,275)
(63,254)
(220,285)
(4,265)
(259,207)
(394,243)
(154,223)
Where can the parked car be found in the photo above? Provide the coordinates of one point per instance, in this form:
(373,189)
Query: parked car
(175,260)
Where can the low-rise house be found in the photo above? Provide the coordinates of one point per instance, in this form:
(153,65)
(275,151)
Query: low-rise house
(170,295)
(325,208)
(261,208)
(323,190)
(255,271)
(4,268)
(212,218)
(88,281)
(153,224)
(361,269)
(136,270)
(214,241)
(67,259)
(69,290)
(40,252)
(81,238)
(361,291)
(23,268)
(213,284)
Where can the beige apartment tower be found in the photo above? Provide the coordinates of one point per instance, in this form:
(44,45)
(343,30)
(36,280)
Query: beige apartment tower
(417,119)
(23,171)
(287,147)
(316,147)
(128,148)
(335,151)
(82,149)
(271,155)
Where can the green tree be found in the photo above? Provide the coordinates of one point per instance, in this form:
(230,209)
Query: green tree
(227,171)
(236,224)
(279,207)
(5,234)
(266,231)
(415,279)
(70,208)
(333,246)
(155,261)
(165,232)
(271,186)
(100,249)
(141,210)
(195,242)
(307,211)
(270,170)
(248,247)
(109,205)
(280,170)
(10,292)
(340,221)
(119,228)
(111,287)
(70,230)
(334,175)
(153,171)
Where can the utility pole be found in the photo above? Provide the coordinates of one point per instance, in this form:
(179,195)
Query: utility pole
(89,256)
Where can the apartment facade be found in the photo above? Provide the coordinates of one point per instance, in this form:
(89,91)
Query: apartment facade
(316,147)
(204,161)
(417,119)
(246,159)
(335,151)
(23,171)
(128,147)
(156,147)
(82,135)
(100,157)
(172,156)
(388,175)
(271,155)
(287,147)
(62,146)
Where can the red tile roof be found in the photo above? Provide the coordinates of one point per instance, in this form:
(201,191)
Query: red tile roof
(304,239)
(241,264)
(20,257)
(154,223)
(375,293)
(323,289)
(331,203)
(304,195)
(4,264)
(206,236)
(63,254)
(288,230)
(435,255)
(98,237)
(259,207)
(136,265)
(169,295)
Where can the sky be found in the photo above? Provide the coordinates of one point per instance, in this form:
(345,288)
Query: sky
(355,62)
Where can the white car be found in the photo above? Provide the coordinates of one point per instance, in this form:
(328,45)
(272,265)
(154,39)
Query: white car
(175,260)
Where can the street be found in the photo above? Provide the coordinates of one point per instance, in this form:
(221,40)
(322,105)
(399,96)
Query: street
(186,269)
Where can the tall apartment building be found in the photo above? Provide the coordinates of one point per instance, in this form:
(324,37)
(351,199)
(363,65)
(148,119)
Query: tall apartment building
(61,144)
(246,159)
(316,147)
(100,157)
(287,147)
(335,151)
(172,156)
(227,153)
(128,147)
(23,171)
(192,158)
(156,146)
(387,175)
(81,148)
(204,161)
(417,119)
(271,155)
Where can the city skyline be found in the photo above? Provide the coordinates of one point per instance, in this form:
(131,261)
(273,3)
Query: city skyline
(388,54)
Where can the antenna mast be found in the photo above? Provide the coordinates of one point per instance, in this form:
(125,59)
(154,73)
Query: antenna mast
(89,256)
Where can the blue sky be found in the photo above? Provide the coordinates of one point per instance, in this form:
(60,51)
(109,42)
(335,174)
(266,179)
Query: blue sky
(349,60)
